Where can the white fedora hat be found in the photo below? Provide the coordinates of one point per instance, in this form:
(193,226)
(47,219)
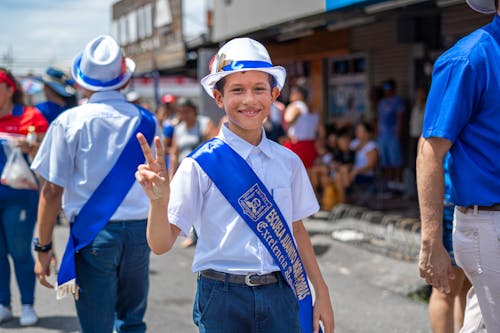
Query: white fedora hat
(482,6)
(240,55)
(101,65)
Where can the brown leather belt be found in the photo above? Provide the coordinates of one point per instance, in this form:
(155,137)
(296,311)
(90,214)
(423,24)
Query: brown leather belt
(251,279)
(492,208)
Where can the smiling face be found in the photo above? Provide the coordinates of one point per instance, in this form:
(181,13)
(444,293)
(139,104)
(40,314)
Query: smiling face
(247,98)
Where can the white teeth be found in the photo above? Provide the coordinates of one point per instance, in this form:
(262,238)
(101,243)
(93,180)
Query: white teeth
(249,112)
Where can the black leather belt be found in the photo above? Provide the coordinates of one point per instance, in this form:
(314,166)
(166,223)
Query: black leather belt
(492,208)
(251,279)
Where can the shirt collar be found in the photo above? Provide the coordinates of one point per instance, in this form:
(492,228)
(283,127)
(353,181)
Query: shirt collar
(242,147)
(106,96)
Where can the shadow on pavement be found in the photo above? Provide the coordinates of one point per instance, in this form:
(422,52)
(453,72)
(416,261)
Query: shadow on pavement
(57,323)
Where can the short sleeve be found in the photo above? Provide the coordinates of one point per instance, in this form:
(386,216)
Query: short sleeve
(454,93)
(54,159)
(185,204)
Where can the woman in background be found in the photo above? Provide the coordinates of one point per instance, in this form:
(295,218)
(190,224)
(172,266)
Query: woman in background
(302,125)
(18,208)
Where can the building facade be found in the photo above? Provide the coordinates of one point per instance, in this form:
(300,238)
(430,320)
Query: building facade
(340,49)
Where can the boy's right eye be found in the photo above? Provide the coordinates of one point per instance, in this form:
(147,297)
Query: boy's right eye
(237,90)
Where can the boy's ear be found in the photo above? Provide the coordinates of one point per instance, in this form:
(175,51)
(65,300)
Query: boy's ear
(275,92)
(219,99)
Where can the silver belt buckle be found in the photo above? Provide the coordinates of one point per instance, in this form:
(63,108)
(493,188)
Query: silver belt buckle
(248,282)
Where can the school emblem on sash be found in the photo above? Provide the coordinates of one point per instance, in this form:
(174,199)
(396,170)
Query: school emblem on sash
(254,203)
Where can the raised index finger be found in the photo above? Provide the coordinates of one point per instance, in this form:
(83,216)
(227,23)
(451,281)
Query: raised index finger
(146,150)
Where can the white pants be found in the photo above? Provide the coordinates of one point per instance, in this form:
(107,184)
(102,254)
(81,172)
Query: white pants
(473,321)
(476,244)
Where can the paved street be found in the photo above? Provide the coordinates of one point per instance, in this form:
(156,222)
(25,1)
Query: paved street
(368,291)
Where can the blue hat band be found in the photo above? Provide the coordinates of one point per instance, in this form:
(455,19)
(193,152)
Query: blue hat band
(97,83)
(235,65)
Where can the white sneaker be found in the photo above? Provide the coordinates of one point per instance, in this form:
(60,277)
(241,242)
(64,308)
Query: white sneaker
(5,313)
(28,316)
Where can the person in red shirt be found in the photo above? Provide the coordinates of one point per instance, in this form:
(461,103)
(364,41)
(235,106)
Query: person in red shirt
(18,207)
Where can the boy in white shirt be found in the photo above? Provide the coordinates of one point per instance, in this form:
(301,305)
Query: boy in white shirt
(242,245)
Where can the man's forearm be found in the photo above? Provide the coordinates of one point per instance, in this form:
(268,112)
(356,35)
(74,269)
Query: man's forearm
(430,183)
(49,206)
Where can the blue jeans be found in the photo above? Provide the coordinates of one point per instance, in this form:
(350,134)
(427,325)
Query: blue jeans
(223,307)
(113,276)
(17,221)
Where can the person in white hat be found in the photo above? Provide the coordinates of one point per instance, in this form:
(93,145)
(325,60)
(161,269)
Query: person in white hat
(88,159)
(461,117)
(245,195)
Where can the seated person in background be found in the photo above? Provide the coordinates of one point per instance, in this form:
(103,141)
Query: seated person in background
(320,169)
(365,161)
(341,166)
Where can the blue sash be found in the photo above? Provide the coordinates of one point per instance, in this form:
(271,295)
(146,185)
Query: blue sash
(103,203)
(251,199)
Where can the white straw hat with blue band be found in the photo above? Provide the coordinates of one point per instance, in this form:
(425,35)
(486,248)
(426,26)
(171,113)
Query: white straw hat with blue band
(482,6)
(240,55)
(101,66)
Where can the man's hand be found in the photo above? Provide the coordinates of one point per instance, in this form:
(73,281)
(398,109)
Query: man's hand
(435,266)
(42,267)
(153,175)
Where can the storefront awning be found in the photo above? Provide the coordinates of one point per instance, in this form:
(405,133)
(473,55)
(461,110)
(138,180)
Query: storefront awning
(337,4)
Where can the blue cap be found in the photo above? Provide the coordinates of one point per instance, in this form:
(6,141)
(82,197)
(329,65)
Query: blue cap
(59,82)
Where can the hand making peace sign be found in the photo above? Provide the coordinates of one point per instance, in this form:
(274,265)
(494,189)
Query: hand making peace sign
(153,175)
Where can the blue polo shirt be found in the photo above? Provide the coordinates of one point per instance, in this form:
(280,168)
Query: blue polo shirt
(50,110)
(463,106)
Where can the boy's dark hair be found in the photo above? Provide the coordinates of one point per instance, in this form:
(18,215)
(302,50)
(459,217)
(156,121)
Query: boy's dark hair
(496,4)
(222,82)
(18,96)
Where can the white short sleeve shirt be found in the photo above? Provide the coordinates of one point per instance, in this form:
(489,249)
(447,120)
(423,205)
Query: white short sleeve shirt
(82,145)
(225,242)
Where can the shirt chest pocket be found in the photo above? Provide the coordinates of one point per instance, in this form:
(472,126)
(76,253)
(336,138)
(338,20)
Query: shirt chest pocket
(283,198)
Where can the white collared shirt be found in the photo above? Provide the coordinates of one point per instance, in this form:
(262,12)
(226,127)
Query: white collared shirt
(225,242)
(82,145)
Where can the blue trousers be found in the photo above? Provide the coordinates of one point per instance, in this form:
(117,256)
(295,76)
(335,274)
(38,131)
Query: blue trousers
(113,276)
(17,221)
(223,307)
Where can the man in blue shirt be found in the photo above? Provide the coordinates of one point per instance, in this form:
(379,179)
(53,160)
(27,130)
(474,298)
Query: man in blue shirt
(390,119)
(462,116)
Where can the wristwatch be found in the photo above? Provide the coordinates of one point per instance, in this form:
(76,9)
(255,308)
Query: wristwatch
(41,248)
